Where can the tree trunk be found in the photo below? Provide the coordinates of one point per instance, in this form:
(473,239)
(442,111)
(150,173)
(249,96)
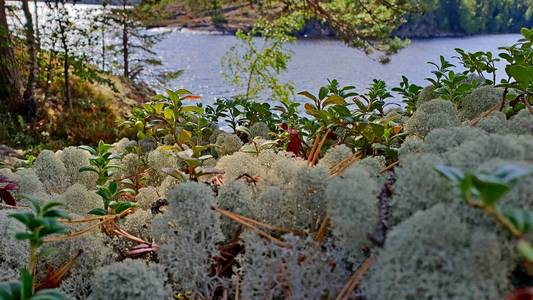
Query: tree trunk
(10,84)
(29,93)
(125,41)
(37,31)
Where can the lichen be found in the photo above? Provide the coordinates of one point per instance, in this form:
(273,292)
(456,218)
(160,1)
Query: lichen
(431,115)
(479,101)
(188,234)
(51,172)
(434,255)
(227,144)
(129,280)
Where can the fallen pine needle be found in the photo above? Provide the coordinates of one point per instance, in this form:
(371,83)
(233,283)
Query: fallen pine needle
(354,280)
(251,226)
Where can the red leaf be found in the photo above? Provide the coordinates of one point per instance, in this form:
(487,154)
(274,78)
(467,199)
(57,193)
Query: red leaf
(10,187)
(8,198)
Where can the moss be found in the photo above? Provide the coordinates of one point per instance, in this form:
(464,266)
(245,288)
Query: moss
(139,224)
(440,140)
(158,160)
(479,101)
(431,115)
(236,197)
(495,123)
(434,255)
(129,280)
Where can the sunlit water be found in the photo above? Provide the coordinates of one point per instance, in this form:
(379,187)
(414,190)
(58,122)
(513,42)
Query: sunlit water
(313,62)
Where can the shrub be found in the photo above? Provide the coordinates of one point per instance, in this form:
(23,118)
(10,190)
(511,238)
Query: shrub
(188,234)
(129,280)
(431,115)
(434,255)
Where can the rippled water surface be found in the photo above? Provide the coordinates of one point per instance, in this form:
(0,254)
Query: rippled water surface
(313,62)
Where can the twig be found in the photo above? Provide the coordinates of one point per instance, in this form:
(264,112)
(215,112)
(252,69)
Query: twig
(105,219)
(345,164)
(315,145)
(237,287)
(250,226)
(322,231)
(54,279)
(261,224)
(390,167)
(354,280)
(319,148)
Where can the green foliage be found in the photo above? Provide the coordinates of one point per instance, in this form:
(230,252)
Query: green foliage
(519,68)
(40,223)
(169,115)
(410,93)
(255,68)
(23,290)
(479,63)
(111,199)
(101,162)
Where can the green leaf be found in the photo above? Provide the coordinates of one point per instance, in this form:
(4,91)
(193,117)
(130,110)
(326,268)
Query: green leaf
(490,192)
(26,284)
(98,212)
(334,100)
(169,114)
(308,95)
(184,136)
(324,91)
(522,219)
(525,250)
(88,169)
(121,206)
(452,174)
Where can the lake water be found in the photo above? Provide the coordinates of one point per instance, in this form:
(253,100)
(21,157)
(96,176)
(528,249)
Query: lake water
(313,62)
